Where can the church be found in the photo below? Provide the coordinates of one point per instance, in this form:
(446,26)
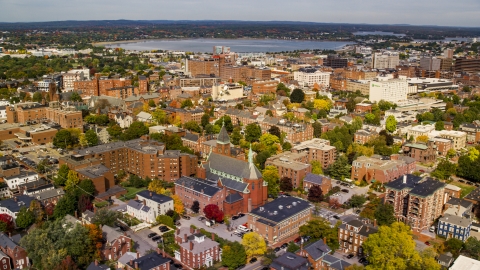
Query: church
(241,181)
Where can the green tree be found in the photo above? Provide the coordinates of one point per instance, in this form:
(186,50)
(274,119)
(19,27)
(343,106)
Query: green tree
(63,139)
(75,97)
(270,175)
(86,187)
(187,103)
(225,120)
(205,120)
(439,125)
(297,96)
(472,246)
(165,220)
(25,218)
(91,137)
(160,117)
(105,216)
(385,214)
(236,136)
(151,103)
(357,200)
(66,205)
(444,170)
(319,229)
(114,131)
(274,130)
(391,124)
(340,169)
(192,126)
(253,132)
(316,167)
(454,245)
(135,131)
(317,129)
(37,97)
(62,175)
(233,255)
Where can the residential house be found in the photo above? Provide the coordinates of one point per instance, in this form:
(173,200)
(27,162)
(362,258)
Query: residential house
(140,211)
(421,152)
(123,120)
(18,255)
(49,196)
(445,260)
(159,203)
(5,262)
(316,253)
(416,201)
(144,117)
(116,244)
(352,234)
(472,130)
(452,226)
(291,165)
(13,205)
(280,219)
(125,259)
(465,263)
(290,261)
(97,266)
(325,183)
(152,261)
(363,136)
(196,250)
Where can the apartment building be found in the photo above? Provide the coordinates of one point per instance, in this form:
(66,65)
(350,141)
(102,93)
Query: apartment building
(358,85)
(209,66)
(458,138)
(196,250)
(317,149)
(363,136)
(280,219)
(381,169)
(17,255)
(472,130)
(71,77)
(417,201)
(385,60)
(385,88)
(291,165)
(264,87)
(352,234)
(309,77)
(421,152)
(420,130)
(33,113)
(185,115)
(159,203)
(430,63)
(466,64)
(116,243)
(141,157)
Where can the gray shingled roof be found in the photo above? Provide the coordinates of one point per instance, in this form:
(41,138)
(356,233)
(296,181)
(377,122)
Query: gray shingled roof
(313,178)
(290,261)
(92,266)
(198,185)
(138,205)
(159,198)
(335,263)
(233,166)
(417,185)
(150,261)
(233,197)
(317,250)
(223,137)
(7,242)
(14,206)
(110,234)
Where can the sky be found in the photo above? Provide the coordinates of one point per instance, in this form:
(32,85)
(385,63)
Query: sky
(415,12)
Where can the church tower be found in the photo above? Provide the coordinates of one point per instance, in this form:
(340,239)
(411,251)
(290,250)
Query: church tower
(223,142)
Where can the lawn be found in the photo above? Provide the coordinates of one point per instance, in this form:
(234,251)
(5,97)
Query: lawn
(101,204)
(131,192)
(466,189)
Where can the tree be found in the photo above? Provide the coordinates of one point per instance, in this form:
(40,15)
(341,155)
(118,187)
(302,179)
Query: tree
(254,244)
(317,129)
(91,137)
(67,264)
(225,120)
(95,235)
(286,184)
(187,103)
(37,211)
(160,117)
(151,103)
(114,131)
(385,215)
(135,131)
(178,204)
(274,130)
(454,246)
(340,169)
(62,175)
(297,96)
(66,205)
(357,200)
(165,220)
(104,216)
(392,247)
(25,218)
(315,194)
(444,170)
(270,175)
(63,139)
(157,186)
(236,136)
(253,132)
(192,126)
(440,125)
(84,203)
(472,246)
(319,229)
(316,167)
(75,97)
(195,207)
(212,212)
(391,124)
(233,255)
(6,223)
(72,180)
(85,187)
(334,203)
(37,97)
(322,104)
(422,138)
(205,120)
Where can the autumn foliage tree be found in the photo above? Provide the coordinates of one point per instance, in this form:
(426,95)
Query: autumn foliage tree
(178,204)
(315,194)
(84,203)
(67,264)
(212,211)
(6,223)
(334,203)
(95,236)
(286,184)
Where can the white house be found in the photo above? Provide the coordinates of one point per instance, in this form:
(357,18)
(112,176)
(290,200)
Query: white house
(13,205)
(144,117)
(22,178)
(140,210)
(159,203)
(124,121)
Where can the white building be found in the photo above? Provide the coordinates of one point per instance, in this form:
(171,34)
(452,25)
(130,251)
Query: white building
(385,60)
(392,90)
(465,263)
(3,112)
(71,77)
(22,178)
(149,205)
(310,77)
(13,205)
(225,92)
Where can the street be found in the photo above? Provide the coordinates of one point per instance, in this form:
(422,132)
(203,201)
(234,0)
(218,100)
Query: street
(140,244)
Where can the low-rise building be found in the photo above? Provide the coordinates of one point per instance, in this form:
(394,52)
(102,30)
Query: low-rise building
(363,136)
(13,205)
(452,226)
(352,234)
(18,256)
(381,169)
(140,211)
(472,130)
(196,250)
(290,261)
(116,244)
(159,203)
(152,261)
(421,152)
(291,165)
(317,149)
(190,189)
(325,183)
(465,263)
(280,219)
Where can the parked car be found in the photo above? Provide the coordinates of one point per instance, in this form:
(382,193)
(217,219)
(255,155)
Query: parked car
(252,260)
(277,249)
(358,211)
(234,217)
(150,235)
(349,256)
(241,215)
(178,266)
(201,218)
(427,243)
(156,238)
(361,260)
(336,217)
(284,245)
(186,217)
(345,190)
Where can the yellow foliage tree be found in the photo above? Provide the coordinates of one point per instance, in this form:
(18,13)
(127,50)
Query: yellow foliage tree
(156,186)
(322,104)
(422,138)
(145,107)
(254,244)
(72,180)
(360,149)
(177,204)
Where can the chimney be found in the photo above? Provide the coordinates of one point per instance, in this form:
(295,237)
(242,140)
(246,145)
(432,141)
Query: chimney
(178,231)
(151,194)
(325,240)
(131,262)
(375,223)
(136,265)
(191,245)
(94,209)
(192,230)
(9,235)
(404,178)
(145,202)
(158,251)
(185,238)
(213,236)
(15,199)
(76,214)
(124,233)
(138,255)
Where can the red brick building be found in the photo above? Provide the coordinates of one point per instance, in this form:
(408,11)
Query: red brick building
(317,149)
(196,250)
(190,189)
(116,244)
(352,234)
(311,180)
(291,165)
(18,256)
(382,170)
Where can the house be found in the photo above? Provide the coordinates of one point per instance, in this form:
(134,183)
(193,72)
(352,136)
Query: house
(96,266)
(103,135)
(116,244)
(123,120)
(381,169)
(144,117)
(311,179)
(280,219)
(333,263)
(87,217)
(140,210)
(152,261)
(465,263)
(196,250)
(49,196)
(421,152)
(18,256)
(190,189)
(445,260)
(315,252)
(125,259)
(290,261)
(159,203)
(352,234)
(5,262)
(13,205)
(452,226)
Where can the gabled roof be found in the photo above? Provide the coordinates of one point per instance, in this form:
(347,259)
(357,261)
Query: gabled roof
(7,242)
(14,204)
(150,261)
(198,185)
(290,261)
(317,250)
(158,198)
(93,266)
(232,166)
(138,205)
(223,137)
(110,234)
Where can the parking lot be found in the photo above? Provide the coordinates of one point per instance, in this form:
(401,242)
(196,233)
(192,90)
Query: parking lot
(343,196)
(219,229)
(328,215)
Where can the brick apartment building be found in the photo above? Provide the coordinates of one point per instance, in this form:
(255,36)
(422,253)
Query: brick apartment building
(116,244)
(280,219)
(196,250)
(381,169)
(310,180)
(421,152)
(363,136)
(184,115)
(102,86)
(317,149)
(18,256)
(208,66)
(352,234)
(264,87)
(141,157)
(416,201)
(33,113)
(291,165)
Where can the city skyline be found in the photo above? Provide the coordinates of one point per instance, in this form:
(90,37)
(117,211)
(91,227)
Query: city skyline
(443,13)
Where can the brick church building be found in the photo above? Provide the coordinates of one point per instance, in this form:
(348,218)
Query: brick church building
(239,182)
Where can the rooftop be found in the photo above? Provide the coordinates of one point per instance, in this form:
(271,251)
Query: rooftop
(290,261)
(150,195)
(198,185)
(280,209)
(419,186)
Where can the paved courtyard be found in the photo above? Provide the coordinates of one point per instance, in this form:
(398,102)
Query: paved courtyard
(219,229)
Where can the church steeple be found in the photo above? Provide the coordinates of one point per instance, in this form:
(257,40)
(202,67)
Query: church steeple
(223,137)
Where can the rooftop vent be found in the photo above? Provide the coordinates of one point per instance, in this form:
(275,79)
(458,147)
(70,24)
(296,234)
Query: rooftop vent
(280,207)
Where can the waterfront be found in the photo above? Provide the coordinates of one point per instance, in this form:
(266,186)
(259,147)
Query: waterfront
(236,45)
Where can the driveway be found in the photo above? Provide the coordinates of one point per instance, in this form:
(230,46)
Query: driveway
(343,197)
(141,244)
(219,229)
(328,215)
(118,205)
